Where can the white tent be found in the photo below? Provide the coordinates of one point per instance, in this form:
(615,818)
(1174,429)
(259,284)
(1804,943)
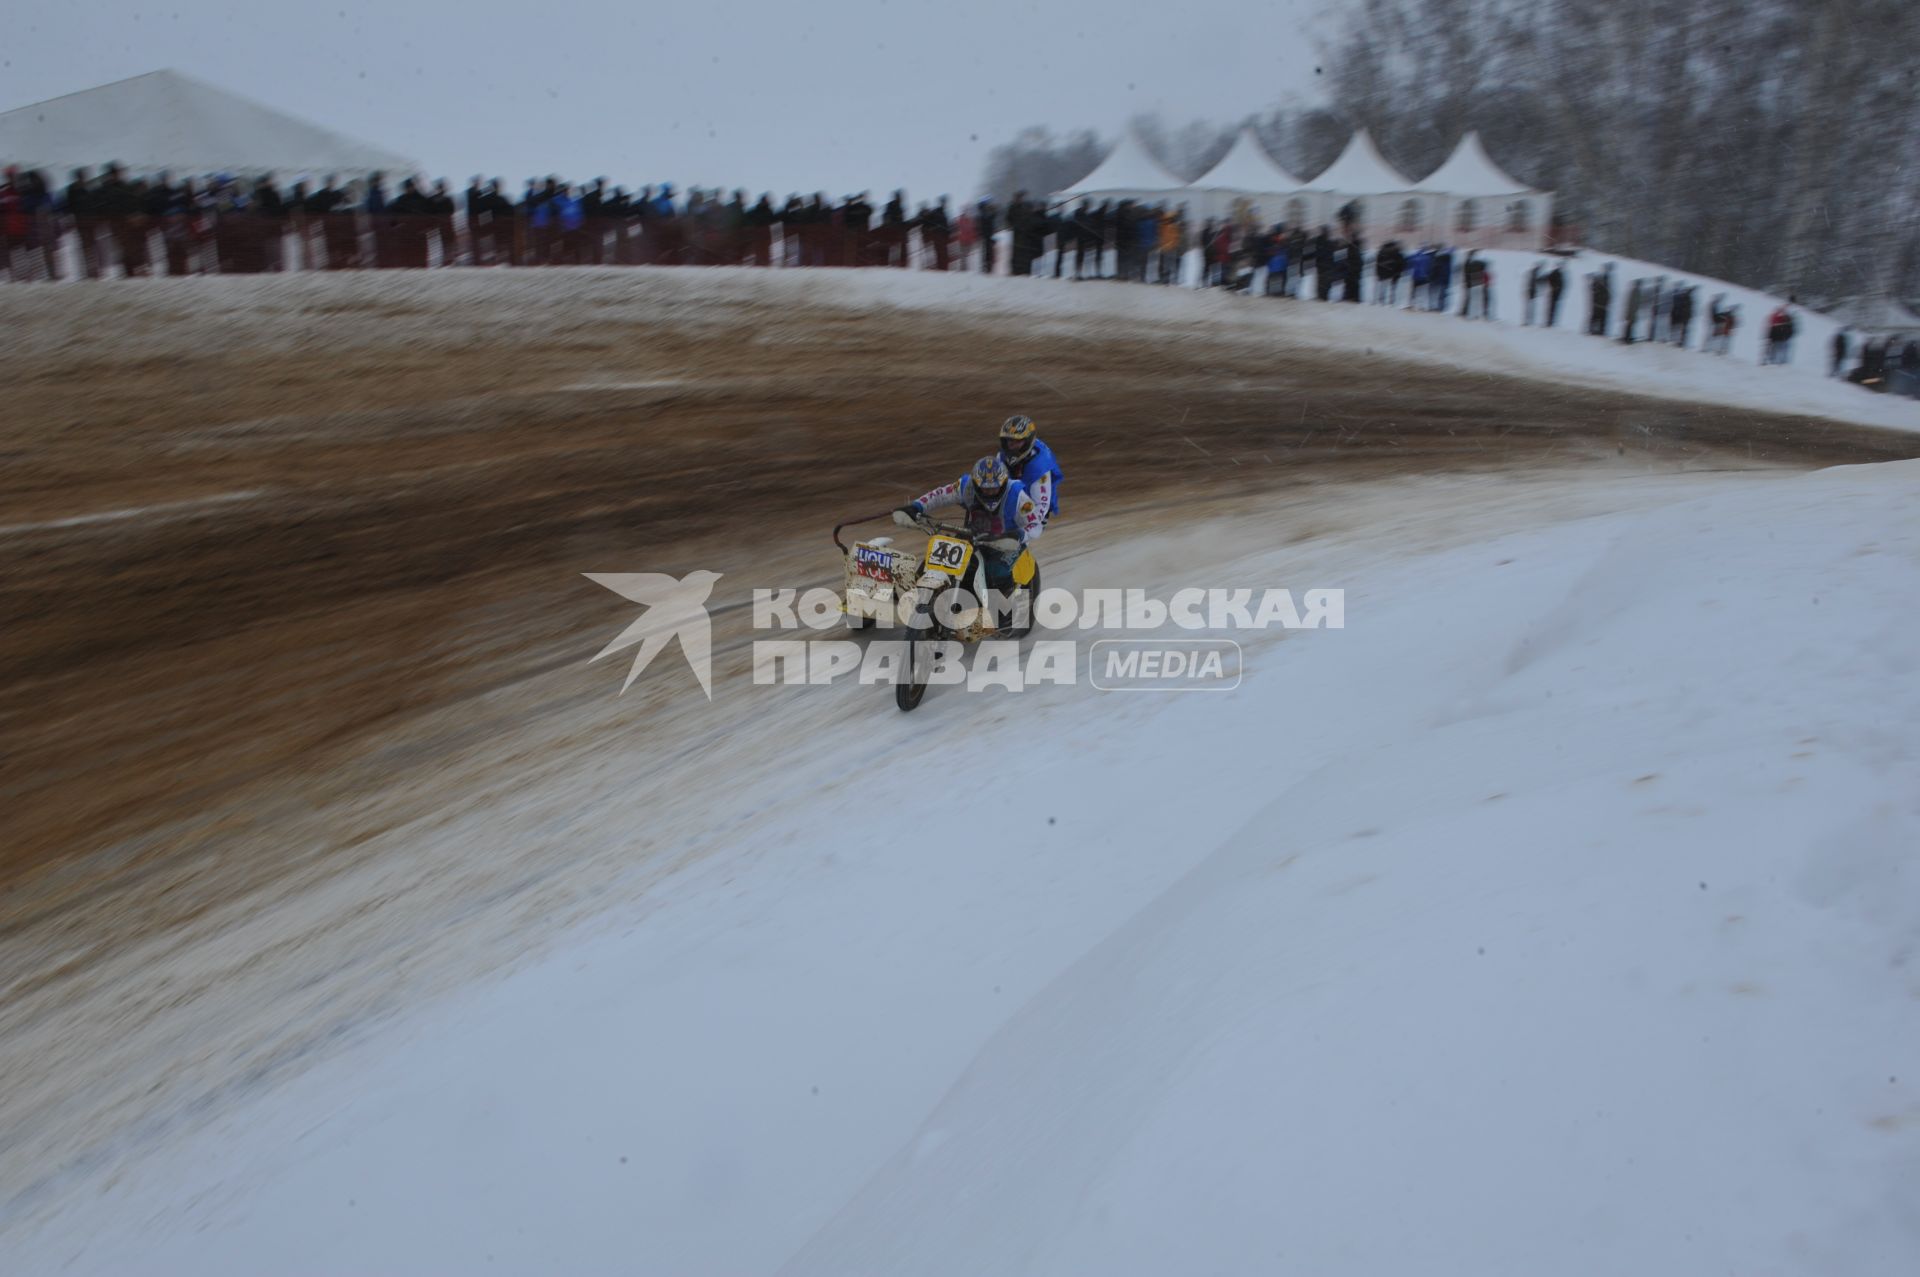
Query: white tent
(166,120)
(1388,202)
(1480,206)
(1470,173)
(1249,181)
(1361,171)
(1128,172)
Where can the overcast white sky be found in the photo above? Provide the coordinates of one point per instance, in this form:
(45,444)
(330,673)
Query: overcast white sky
(839,95)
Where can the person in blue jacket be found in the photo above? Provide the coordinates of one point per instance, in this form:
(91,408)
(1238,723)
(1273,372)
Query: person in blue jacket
(1031,462)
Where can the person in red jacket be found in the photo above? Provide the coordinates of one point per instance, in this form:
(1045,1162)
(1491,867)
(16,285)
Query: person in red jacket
(14,222)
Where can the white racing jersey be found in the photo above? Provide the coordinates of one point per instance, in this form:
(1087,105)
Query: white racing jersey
(1019,514)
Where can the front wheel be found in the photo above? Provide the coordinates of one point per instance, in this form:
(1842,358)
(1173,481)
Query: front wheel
(910,684)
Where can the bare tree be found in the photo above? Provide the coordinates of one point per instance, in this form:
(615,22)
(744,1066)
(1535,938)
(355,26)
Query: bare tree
(1770,142)
(1037,162)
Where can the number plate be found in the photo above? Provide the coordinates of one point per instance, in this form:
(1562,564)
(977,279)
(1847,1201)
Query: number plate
(949,555)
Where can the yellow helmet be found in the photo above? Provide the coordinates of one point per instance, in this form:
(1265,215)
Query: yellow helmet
(1017,437)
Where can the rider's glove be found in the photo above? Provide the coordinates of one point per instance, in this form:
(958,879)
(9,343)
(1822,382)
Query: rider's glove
(907,515)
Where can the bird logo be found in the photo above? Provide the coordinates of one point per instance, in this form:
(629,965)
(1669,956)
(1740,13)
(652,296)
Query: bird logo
(676,607)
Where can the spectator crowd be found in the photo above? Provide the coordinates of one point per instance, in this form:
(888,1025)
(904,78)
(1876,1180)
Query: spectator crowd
(226,224)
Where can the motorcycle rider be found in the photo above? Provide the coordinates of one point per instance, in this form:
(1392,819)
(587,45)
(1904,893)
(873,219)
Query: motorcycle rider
(999,509)
(1031,462)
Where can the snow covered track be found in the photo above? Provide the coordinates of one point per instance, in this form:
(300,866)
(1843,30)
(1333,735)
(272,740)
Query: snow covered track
(302,766)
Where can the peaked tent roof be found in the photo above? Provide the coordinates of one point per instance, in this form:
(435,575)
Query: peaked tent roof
(1469,172)
(1248,167)
(1128,167)
(1360,170)
(166,120)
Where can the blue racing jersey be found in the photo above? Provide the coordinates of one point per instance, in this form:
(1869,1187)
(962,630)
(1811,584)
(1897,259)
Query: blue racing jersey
(1041,475)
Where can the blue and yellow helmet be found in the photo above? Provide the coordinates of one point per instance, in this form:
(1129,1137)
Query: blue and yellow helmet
(988,480)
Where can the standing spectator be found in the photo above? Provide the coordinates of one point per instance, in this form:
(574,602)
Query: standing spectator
(1086,240)
(1252,258)
(440,208)
(1636,297)
(1124,231)
(1533,291)
(1169,244)
(120,212)
(1657,302)
(1388,265)
(760,219)
(966,238)
(15,224)
(1780,330)
(1356,268)
(1599,300)
(1220,254)
(1442,285)
(1059,224)
(411,219)
(1420,277)
(265,236)
(1477,278)
(937,231)
(1839,352)
(1146,235)
(479,222)
(621,227)
(856,229)
(36,251)
(342,225)
(596,222)
(1279,262)
(790,218)
(1556,284)
(1024,224)
(78,205)
(302,255)
(1323,264)
(314,207)
(890,243)
(663,227)
(379,224)
(1680,315)
(987,219)
(734,245)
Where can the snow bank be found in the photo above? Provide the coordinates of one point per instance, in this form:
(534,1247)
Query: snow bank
(1558,915)
(459,307)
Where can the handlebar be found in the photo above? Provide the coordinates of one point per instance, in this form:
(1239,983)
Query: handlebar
(865,518)
(924,523)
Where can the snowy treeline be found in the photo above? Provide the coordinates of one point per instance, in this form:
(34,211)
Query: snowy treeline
(1770,142)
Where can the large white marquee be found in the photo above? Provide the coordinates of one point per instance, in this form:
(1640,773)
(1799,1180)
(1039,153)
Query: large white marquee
(1468,202)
